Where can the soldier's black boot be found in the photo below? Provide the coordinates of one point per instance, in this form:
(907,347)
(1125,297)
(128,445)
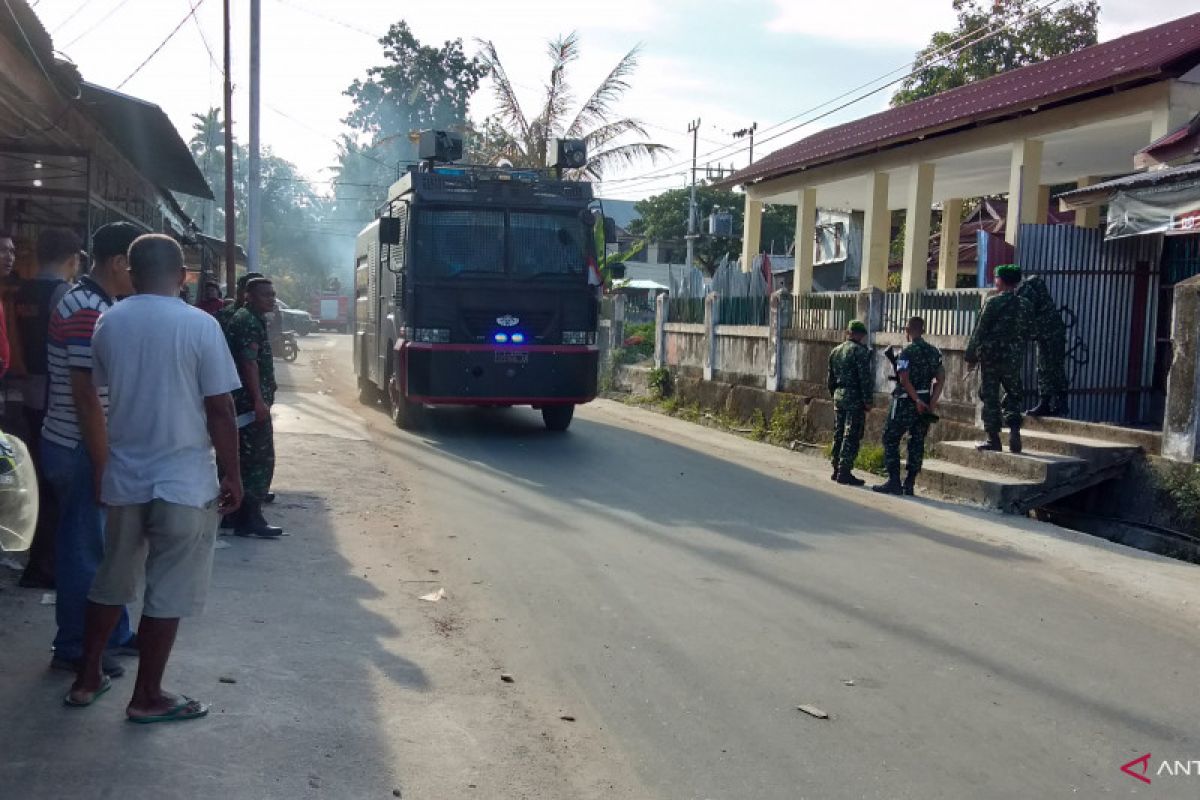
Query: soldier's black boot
(910,482)
(834,476)
(1044,408)
(992,443)
(892,486)
(1060,408)
(847,478)
(230,522)
(1014,438)
(252,522)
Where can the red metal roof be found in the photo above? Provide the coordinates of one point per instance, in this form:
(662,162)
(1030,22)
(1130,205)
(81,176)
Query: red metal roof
(1164,51)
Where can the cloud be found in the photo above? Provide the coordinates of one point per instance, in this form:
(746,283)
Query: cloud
(907,23)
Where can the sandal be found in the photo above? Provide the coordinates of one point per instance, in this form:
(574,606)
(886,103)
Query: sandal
(185,709)
(105,685)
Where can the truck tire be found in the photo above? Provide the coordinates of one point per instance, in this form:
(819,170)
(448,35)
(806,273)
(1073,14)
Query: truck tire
(368,393)
(557,418)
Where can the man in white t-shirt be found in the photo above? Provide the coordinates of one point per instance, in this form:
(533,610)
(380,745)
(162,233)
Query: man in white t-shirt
(169,374)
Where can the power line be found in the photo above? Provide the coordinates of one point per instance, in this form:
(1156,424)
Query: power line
(926,63)
(72,15)
(328,18)
(101,20)
(163,43)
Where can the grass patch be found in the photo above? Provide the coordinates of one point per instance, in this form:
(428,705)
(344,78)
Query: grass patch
(1181,485)
(758,425)
(789,423)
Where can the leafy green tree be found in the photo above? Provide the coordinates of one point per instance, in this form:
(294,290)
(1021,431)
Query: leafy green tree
(1034,36)
(612,140)
(663,217)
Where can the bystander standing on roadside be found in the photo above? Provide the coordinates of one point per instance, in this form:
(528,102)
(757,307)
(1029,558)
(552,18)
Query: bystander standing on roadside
(36,299)
(169,374)
(212,302)
(250,344)
(225,315)
(75,441)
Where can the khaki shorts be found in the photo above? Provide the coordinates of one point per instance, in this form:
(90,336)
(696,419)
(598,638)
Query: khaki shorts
(165,546)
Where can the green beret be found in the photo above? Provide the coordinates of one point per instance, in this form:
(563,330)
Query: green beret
(856,326)
(1010,272)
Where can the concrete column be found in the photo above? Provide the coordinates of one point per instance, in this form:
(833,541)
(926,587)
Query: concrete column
(877,232)
(781,306)
(914,277)
(948,255)
(1087,217)
(751,233)
(712,308)
(1024,180)
(660,331)
(1043,205)
(806,229)
(1181,420)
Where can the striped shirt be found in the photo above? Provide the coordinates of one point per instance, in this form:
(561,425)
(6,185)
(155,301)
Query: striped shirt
(69,346)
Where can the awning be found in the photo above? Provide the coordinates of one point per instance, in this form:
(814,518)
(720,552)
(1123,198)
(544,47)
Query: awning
(1161,201)
(648,285)
(144,135)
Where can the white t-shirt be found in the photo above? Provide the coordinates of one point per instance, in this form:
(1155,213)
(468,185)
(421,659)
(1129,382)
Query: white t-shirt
(159,358)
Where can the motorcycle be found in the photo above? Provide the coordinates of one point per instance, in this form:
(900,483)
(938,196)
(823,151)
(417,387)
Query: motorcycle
(288,349)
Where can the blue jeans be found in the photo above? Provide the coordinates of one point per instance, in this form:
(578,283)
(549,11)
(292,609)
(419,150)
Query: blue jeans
(79,545)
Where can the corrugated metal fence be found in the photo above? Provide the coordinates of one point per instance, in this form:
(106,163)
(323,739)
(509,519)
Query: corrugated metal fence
(1108,294)
(823,311)
(947,312)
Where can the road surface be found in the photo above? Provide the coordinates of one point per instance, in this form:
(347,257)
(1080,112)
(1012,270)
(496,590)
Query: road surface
(664,597)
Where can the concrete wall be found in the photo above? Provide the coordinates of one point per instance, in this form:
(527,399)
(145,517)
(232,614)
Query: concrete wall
(741,355)
(684,346)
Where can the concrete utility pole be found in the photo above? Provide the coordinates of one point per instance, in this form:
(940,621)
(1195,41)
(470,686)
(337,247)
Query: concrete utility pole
(230,219)
(694,130)
(254,189)
(748,132)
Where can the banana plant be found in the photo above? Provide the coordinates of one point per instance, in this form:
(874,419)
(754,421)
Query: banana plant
(604,259)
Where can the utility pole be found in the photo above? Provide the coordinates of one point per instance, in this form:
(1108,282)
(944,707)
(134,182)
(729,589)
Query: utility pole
(694,130)
(230,220)
(254,188)
(748,132)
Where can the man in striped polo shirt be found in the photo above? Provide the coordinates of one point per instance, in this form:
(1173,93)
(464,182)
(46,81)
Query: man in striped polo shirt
(75,441)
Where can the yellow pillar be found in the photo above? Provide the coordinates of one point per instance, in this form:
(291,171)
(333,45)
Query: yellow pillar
(1043,205)
(1087,217)
(806,230)
(751,233)
(948,255)
(877,233)
(1024,180)
(914,276)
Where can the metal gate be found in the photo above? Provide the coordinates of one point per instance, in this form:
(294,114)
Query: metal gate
(1108,294)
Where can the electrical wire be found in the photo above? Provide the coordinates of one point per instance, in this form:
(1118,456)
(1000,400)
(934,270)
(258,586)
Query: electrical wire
(72,15)
(101,20)
(191,13)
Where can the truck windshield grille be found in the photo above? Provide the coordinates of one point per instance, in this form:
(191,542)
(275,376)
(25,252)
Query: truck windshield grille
(452,243)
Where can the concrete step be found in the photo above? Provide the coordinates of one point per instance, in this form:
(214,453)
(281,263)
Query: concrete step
(976,486)
(1097,451)
(1030,465)
(1148,440)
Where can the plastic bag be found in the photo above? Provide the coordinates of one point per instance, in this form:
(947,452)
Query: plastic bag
(18,494)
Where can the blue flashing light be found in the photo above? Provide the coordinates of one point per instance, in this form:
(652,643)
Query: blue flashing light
(501,338)
(518,338)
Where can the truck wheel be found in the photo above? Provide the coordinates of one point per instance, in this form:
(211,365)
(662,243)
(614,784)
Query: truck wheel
(557,418)
(406,414)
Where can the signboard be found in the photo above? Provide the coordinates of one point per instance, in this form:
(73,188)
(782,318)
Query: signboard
(1170,209)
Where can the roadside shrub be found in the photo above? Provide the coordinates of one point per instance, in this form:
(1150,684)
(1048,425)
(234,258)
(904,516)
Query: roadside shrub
(789,422)
(660,383)
(1181,483)
(758,425)
(870,457)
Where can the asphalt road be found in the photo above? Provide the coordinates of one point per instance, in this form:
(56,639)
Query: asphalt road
(681,591)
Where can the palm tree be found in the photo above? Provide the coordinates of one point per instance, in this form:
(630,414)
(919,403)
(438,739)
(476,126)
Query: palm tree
(611,140)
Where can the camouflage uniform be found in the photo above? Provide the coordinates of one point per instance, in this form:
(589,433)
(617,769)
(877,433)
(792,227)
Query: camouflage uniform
(1047,329)
(923,362)
(998,345)
(852,386)
(248,341)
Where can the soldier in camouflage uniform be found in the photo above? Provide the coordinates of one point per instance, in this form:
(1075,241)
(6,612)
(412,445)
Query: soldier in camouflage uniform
(852,385)
(919,381)
(251,348)
(225,315)
(997,345)
(1048,330)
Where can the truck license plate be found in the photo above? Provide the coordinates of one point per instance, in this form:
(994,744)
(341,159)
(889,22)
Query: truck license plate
(512,358)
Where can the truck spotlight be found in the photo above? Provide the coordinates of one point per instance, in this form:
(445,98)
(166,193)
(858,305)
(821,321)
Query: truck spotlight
(441,146)
(566,154)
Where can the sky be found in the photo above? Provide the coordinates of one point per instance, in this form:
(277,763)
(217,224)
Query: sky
(728,63)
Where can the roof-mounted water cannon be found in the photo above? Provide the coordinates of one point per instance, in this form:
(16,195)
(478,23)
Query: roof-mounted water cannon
(440,147)
(566,154)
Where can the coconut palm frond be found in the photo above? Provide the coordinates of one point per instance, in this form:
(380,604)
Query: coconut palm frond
(562,52)
(623,155)
(600,105)
(599,137)
(506,97)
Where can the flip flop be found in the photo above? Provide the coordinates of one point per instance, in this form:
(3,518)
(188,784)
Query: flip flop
(105,685)
(185,709)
